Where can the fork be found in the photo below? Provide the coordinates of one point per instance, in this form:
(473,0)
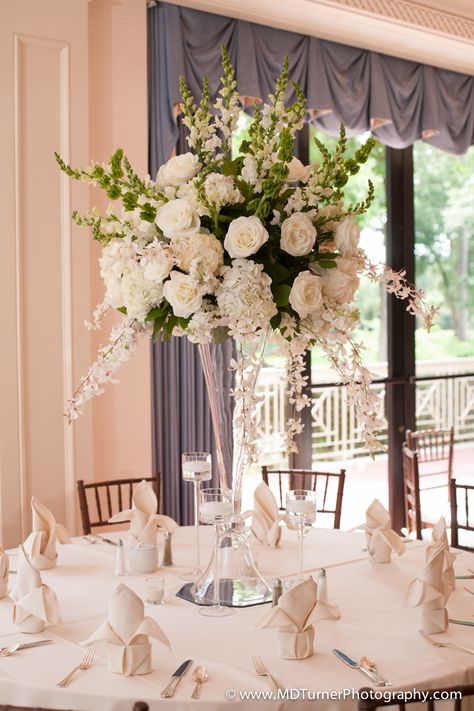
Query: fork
(90,540)
(452,645)
(86,663)
(261,671)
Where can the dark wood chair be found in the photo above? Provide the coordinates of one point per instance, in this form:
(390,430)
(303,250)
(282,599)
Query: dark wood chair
(140,706)
(329,488)
(25,708)
(458,693)
(411,490)
(459,499)
(109,498)
(433,446)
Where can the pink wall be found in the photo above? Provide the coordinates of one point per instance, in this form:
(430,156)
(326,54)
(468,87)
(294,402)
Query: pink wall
(72,79)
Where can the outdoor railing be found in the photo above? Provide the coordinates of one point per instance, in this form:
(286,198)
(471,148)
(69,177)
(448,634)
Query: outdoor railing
(440,403)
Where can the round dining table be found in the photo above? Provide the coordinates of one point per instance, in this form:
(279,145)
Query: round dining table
(374,622)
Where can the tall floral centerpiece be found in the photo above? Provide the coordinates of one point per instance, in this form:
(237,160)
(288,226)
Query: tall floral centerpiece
(253,247)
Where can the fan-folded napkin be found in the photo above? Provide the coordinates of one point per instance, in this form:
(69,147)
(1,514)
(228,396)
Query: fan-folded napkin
(4,570)
(379,534)
(266,516)
(143,517)
(35,604)
(295,615)
(431,591)
(41,543)
(127,632)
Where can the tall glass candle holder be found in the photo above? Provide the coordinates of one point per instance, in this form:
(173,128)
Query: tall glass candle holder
(217,509)
(196,467)
(301,510)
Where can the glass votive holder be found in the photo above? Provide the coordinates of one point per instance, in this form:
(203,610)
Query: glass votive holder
(155,590)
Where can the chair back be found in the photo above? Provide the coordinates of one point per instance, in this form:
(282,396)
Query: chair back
(433,446)
(411,489)
(461,495)
(437,699)
(329,488)
(100,500)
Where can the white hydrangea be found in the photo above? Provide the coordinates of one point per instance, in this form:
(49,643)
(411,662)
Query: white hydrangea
(139,294)
(244,297)
(220,190)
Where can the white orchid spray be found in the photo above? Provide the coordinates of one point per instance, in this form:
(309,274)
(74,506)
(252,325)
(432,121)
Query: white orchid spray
(250,247)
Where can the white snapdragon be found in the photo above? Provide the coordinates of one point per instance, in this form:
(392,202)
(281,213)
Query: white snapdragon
(306,294)
(297,171)
(298,235)
(182,292)
(178,170)
(178,218)
(341,283)
(245,236)
(346,237)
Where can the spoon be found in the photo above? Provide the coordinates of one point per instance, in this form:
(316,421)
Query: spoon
(369,664)
(200,675)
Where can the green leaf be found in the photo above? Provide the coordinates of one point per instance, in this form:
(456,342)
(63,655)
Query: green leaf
(158,311)
(281,294)
(328,264)
(278,273)
(122,309)
(276,320)
(116,163)
(129,201)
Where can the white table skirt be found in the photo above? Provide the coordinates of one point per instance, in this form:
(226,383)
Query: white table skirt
(374,623)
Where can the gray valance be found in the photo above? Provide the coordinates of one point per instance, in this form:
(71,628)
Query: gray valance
(398,100)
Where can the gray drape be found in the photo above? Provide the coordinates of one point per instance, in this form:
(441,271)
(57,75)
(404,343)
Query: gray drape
(398,100)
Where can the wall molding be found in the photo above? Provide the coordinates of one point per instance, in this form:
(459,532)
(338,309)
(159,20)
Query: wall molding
(412,14)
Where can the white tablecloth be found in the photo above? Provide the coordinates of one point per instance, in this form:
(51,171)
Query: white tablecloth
(374,623)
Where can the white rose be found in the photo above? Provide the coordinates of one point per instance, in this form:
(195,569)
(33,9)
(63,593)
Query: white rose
(178,170)
(297,171)
(182,292)
(245,236)
(177,218)
(342,282)
(200,246)
(298,235)
(346,237)
(305,294)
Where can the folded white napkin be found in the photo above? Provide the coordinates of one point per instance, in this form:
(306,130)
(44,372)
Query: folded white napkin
(266,517)
(295,615)
(379,534)
(41,543)
(143,518)
(127,632)
(4,570)
(35,604)
(431,591)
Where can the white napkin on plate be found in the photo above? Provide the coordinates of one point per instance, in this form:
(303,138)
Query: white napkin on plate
(431,591)
(295,615)
(266,517)
(35,604)
(41,543)
(379,534)
(143,518)
(127,632)
(4,571)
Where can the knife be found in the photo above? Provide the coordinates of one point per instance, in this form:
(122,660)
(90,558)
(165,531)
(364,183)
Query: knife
(105,540)
(169,690)
(469,623)
(27,645)
(374,678)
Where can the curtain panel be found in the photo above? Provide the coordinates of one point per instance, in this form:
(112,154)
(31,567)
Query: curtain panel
(399,101)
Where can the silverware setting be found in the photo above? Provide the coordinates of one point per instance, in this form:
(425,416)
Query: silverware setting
(93,538)
(369,671)
(262,671)
(450,645)
(468,623)
(200,675)
(170,688)
(6,651)
(85,663)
